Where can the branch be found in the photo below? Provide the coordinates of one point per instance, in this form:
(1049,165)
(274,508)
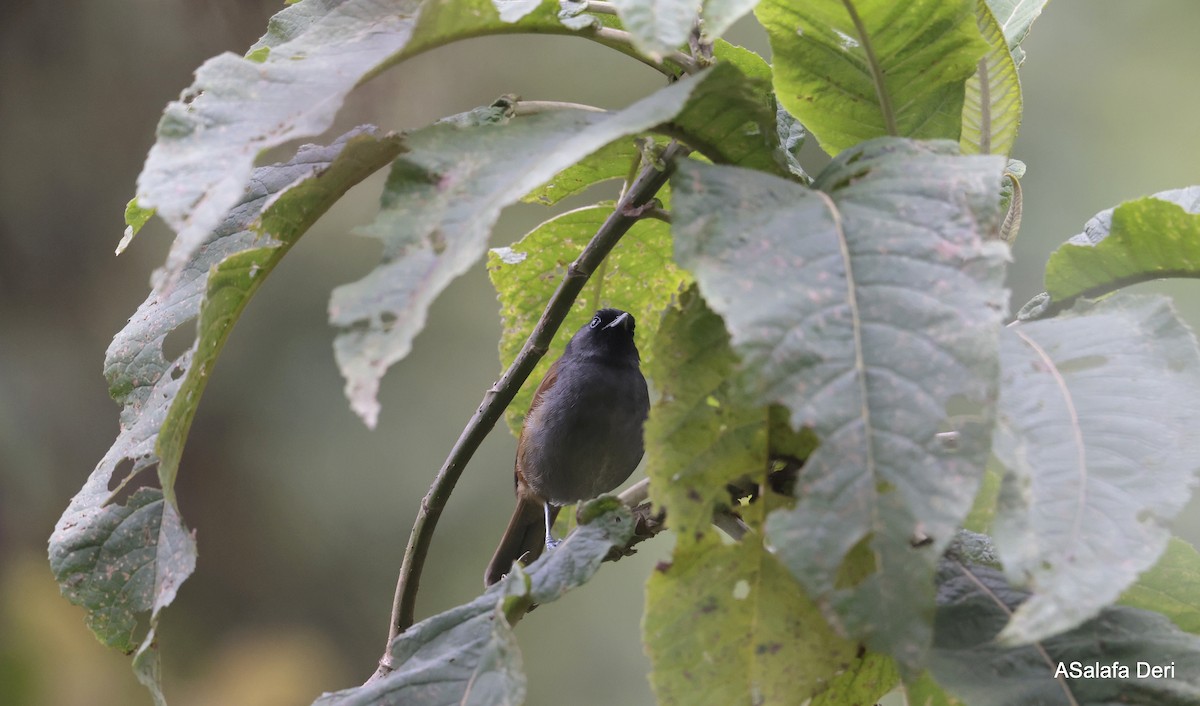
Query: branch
(498,397)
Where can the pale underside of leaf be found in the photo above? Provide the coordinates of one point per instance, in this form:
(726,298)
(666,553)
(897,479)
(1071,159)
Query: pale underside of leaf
(992,103)
(1094,404)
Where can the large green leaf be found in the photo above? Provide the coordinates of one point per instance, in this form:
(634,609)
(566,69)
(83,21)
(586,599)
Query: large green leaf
(1153,237)
(290,85)
(974,602)
(120,557)
(468,654)
(1171,586)
(1097,429)
(851,70)
(869,309)
(992,104)
(638,276)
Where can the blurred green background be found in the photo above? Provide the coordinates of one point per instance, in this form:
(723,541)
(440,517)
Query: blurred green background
(302,513)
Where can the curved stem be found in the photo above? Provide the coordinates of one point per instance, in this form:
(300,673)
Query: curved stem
(523,107)
(498,397)
(611,36)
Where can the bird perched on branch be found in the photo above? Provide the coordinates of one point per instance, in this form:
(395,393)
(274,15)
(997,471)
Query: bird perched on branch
(582,435)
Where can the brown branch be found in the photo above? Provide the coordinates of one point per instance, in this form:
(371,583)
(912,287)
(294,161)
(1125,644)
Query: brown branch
(498,397)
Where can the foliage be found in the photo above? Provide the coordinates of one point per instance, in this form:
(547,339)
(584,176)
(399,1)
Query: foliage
(835,386)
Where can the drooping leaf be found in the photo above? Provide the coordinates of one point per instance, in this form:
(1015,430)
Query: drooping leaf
(1093,405)
(873,320)
(638,276)
(468,654)
(852,70)
(1171,587)
(1149,238)
(291,85)
(1015,18)
(438,208)
(968,659)
(992,104)
(120,558)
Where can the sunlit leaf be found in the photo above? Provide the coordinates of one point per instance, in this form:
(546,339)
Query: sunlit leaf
(992,104)
(851,70)
(1093,404)
(874,323)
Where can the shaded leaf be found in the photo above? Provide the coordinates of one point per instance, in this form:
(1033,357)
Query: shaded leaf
(1171,587)
(1093,404)
(291,85)
(468,654)
(867,317)
(119,558)
(638,276)
(865,681)
(974,603)
(924,691)
(851,70)
(992,104)
(1150,238)
(613,161)
(438,208)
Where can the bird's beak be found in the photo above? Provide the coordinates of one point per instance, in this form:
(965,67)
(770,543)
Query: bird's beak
(618,321)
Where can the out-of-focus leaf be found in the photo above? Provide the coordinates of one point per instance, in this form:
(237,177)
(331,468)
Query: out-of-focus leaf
(1171,587)
(1097,430)
(868,317)
(1150,238)
(992,104)
(437,212)
(1015,18)
(638,276)
(468,654)
(657,26)
(924,691)
(701,433)
(119,558)
(290,85)
(865,681)
(719,15)
(851,70)
(974,603)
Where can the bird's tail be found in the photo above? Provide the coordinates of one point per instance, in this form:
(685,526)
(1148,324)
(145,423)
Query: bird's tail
(523,540)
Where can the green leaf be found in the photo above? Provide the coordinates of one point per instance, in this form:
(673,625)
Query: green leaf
(974,602)
(1150,238)
(924,691)
(1015,18)
(992,104)
(865,681)
(291,85)
(873,320)
(119,556)
(1171,586)
(638,276)
(613,161)
(136,216)
(1092,404)
(727,624)
(701,434)
(438,208)
(468,654)
(851,70)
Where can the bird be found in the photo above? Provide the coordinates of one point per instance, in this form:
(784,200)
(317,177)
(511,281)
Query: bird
(582,436)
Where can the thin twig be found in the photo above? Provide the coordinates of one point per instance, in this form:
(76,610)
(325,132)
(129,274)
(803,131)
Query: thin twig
(523,107)
(601,8)
(497,399)
(611,36)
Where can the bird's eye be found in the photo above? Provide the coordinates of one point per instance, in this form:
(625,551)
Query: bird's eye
(595,322)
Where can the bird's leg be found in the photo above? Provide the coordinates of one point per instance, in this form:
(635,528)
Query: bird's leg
(551,542)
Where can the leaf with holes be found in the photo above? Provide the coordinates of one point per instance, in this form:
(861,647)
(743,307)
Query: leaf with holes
(970,661)
(1093,404)
(122,556)
(869,309)
(851,70)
